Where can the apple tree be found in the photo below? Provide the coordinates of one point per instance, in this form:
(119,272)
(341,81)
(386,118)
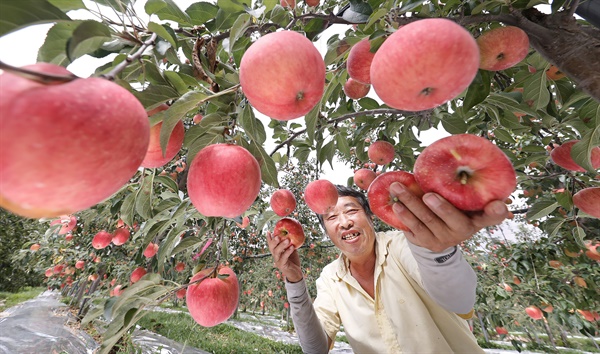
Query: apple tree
(198,64)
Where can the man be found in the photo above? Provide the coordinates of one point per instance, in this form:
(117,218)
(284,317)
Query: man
(394,292)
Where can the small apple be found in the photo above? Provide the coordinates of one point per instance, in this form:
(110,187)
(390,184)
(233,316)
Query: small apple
(283,202)
(120,236)
(588,201)
(589,315)
(287,3)
(381,152)
(592,251)
(68,223)
(180,294)
(34,247)
(501,330)
(561,156)
(244,224)
(320,196)
(364,177)
(151,250)
(137,274)
(502,47)
(313,3)
(117,291)
(355,89)
(292,229)
(555,264)
(359,61)
(79,264)
(282,75)
(197,118)
(407,73)
(223,180)
(580,281)
(214,299)
(467,170)
(101,240)
(534,312)
(381,200)
(154,154)
(48,273)
(179,267)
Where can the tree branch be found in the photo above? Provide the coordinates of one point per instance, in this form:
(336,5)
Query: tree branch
(43,78)
(130,58)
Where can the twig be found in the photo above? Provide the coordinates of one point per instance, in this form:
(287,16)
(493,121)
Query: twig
(43,78)
(573,7)
(122,65)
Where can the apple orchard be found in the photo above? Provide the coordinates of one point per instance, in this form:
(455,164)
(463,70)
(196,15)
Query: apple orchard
(158,177)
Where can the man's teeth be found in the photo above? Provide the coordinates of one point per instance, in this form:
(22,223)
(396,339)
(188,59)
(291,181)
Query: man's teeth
(351,236)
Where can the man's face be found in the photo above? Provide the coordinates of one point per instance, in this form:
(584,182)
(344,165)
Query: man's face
(350,229)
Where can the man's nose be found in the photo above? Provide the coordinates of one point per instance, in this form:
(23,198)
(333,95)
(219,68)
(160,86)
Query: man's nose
(346,221)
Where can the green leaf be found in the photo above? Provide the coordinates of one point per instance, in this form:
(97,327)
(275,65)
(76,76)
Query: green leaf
(504,136)
(187,243)
(541,209)
(379,14)
(176,81)
(358,12)
(270,4)
(15,15)
(508,103)
(211,137)
(268,170)
(225,20)
(167,182)
(238,29)
(231,5)
(579,235)
(202,12)
(565,199)
(581,152)
(162,32)
(128,208)
(54,48)
(454,124)
(368,103)
(252,125)
(143,199)
(311,119)
(155,94)
(535,89)
(478,90)
(88,37)
(167,10)
(342,144)
(552,226)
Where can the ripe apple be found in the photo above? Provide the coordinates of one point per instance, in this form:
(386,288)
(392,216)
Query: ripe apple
(534,312)
(502,48)
(501,330)
(555,264)
(321,196)
(589,315)
(151,250)
(467,170)
(283,75)
(120,236)
(381,152)
(290,228)
(68,223)
(107,130)
(244,224)
(561,155)
(381,200)
(283,202)
(592,251)
(117,291)
(223,180)
(554,73)
(68,237)
(580,281)
(179,267)
(154,155)
(180,294)
(588,201)
(34,247)
(313,3)
(101,240)
(138,273)
(48,273)
(197,118)
(364,177)
(407,72)
(355,89)
(79,264)
(359,61)
(214,299)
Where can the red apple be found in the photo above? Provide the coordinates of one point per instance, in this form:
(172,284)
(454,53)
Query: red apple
(467,170)
(288,3)
(502,48)
(283,202)
(117,291)
(154,155)
(381,152)
(101,240)
(592,251)
(244,224)
(588,201)
(283,75)
(364,177)
(120,236)
(321,196)
(223,180)
(534,312)
(197,118)
(313,3)
(68,223)
(501,330)
(355,89)
(213,300)
(180,294)
(79,264)
(179,267)
(151,250)
(137,274)
(66,147)
(381,200)
(589,315)
(290,228)
(34,247)
(48,273)
(407,72)
(58,268)
(68,237)
(359,61)
(561,156)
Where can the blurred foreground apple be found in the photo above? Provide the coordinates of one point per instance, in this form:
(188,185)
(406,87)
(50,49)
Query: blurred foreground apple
(283,202)
(320,196)
(69,146)
(588,201)
(214,299)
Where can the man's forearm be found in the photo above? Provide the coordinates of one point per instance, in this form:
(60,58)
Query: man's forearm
(447,277)
(311,335)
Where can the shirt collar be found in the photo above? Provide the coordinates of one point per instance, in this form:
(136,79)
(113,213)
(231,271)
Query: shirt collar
(382,241)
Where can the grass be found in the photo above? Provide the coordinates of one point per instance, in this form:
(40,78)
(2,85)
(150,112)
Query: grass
(11,299)
(221,339)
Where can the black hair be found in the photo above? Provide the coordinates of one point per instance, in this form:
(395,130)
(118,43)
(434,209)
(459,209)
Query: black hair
(344,191)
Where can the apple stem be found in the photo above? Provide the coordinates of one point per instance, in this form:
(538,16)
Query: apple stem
(464,177)
(46,79)
(427,91)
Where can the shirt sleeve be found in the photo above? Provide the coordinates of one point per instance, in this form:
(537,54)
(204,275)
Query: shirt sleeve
(311,335)
(326,309)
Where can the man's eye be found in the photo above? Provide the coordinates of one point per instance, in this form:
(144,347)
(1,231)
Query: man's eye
(352,211)
(332,217)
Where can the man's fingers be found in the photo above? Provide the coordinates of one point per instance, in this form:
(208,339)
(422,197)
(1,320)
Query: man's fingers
(493,214)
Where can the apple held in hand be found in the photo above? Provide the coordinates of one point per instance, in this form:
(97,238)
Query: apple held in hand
(588,201)
(223,180)
(381,152)
(359,61)
(283,202)
(364,177)
(101,240)
(502,48)
(467,170)
(407,72)
(292,229)
(283,75)
(321,196)
(561,156)
(212,300)
(68,146)
(381,199)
